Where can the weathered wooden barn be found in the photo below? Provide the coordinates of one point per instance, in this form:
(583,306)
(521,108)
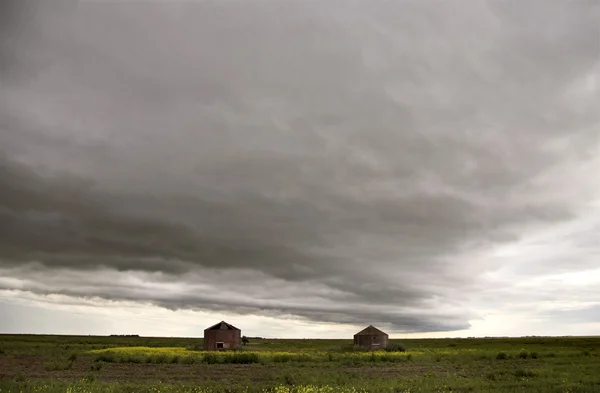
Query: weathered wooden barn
(371,338)
(222,336)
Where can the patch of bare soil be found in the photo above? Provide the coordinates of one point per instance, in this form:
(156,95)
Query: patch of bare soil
(34,367)
(397,370)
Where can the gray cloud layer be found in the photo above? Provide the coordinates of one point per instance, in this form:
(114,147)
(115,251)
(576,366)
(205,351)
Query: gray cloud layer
(341,162)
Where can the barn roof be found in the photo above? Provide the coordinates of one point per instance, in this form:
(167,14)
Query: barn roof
(222,326)
(371,331)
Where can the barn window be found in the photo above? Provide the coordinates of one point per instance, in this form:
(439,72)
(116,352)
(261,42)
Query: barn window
(219,345)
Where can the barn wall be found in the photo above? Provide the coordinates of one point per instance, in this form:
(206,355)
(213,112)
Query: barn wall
(230,338)
(382,341)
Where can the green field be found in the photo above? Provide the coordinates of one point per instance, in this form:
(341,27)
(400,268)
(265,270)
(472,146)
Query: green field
(31,363)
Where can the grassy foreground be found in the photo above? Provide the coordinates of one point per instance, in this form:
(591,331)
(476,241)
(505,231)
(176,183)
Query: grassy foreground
(140,364)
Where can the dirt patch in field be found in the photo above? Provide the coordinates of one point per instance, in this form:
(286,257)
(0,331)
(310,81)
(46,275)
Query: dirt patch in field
(184,373)
(28,366)
(393,371)
(35,367)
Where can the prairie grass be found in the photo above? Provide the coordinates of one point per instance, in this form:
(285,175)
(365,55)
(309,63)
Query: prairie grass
(58,365)
(140,364)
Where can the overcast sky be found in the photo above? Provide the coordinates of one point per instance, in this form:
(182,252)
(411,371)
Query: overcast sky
(300,168)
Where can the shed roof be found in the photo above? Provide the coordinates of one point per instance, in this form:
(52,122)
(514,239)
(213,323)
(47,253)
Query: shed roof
(371,331)
(222,326)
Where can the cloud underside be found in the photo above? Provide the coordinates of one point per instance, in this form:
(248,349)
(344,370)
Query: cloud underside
(347,165)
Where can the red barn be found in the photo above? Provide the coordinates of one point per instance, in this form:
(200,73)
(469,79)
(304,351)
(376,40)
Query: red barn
(222,336)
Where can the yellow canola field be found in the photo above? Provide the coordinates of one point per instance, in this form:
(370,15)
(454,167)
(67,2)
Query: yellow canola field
(179,354)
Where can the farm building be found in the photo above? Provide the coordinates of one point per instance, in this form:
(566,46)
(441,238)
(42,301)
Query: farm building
(222,336)
(371,337)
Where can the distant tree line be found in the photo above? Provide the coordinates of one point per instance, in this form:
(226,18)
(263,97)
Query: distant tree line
(246,340)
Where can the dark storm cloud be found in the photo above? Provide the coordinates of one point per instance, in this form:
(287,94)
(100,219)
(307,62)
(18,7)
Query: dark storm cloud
(351,160)
(11,14)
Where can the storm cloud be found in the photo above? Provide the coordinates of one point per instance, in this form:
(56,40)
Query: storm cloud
(350,162)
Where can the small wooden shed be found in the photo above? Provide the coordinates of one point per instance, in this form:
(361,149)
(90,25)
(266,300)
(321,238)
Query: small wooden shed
(222,336)
(371,338)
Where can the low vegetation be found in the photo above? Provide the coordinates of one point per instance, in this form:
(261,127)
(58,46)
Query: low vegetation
(395,348)
(182,355)
(58,365)
(141,364)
